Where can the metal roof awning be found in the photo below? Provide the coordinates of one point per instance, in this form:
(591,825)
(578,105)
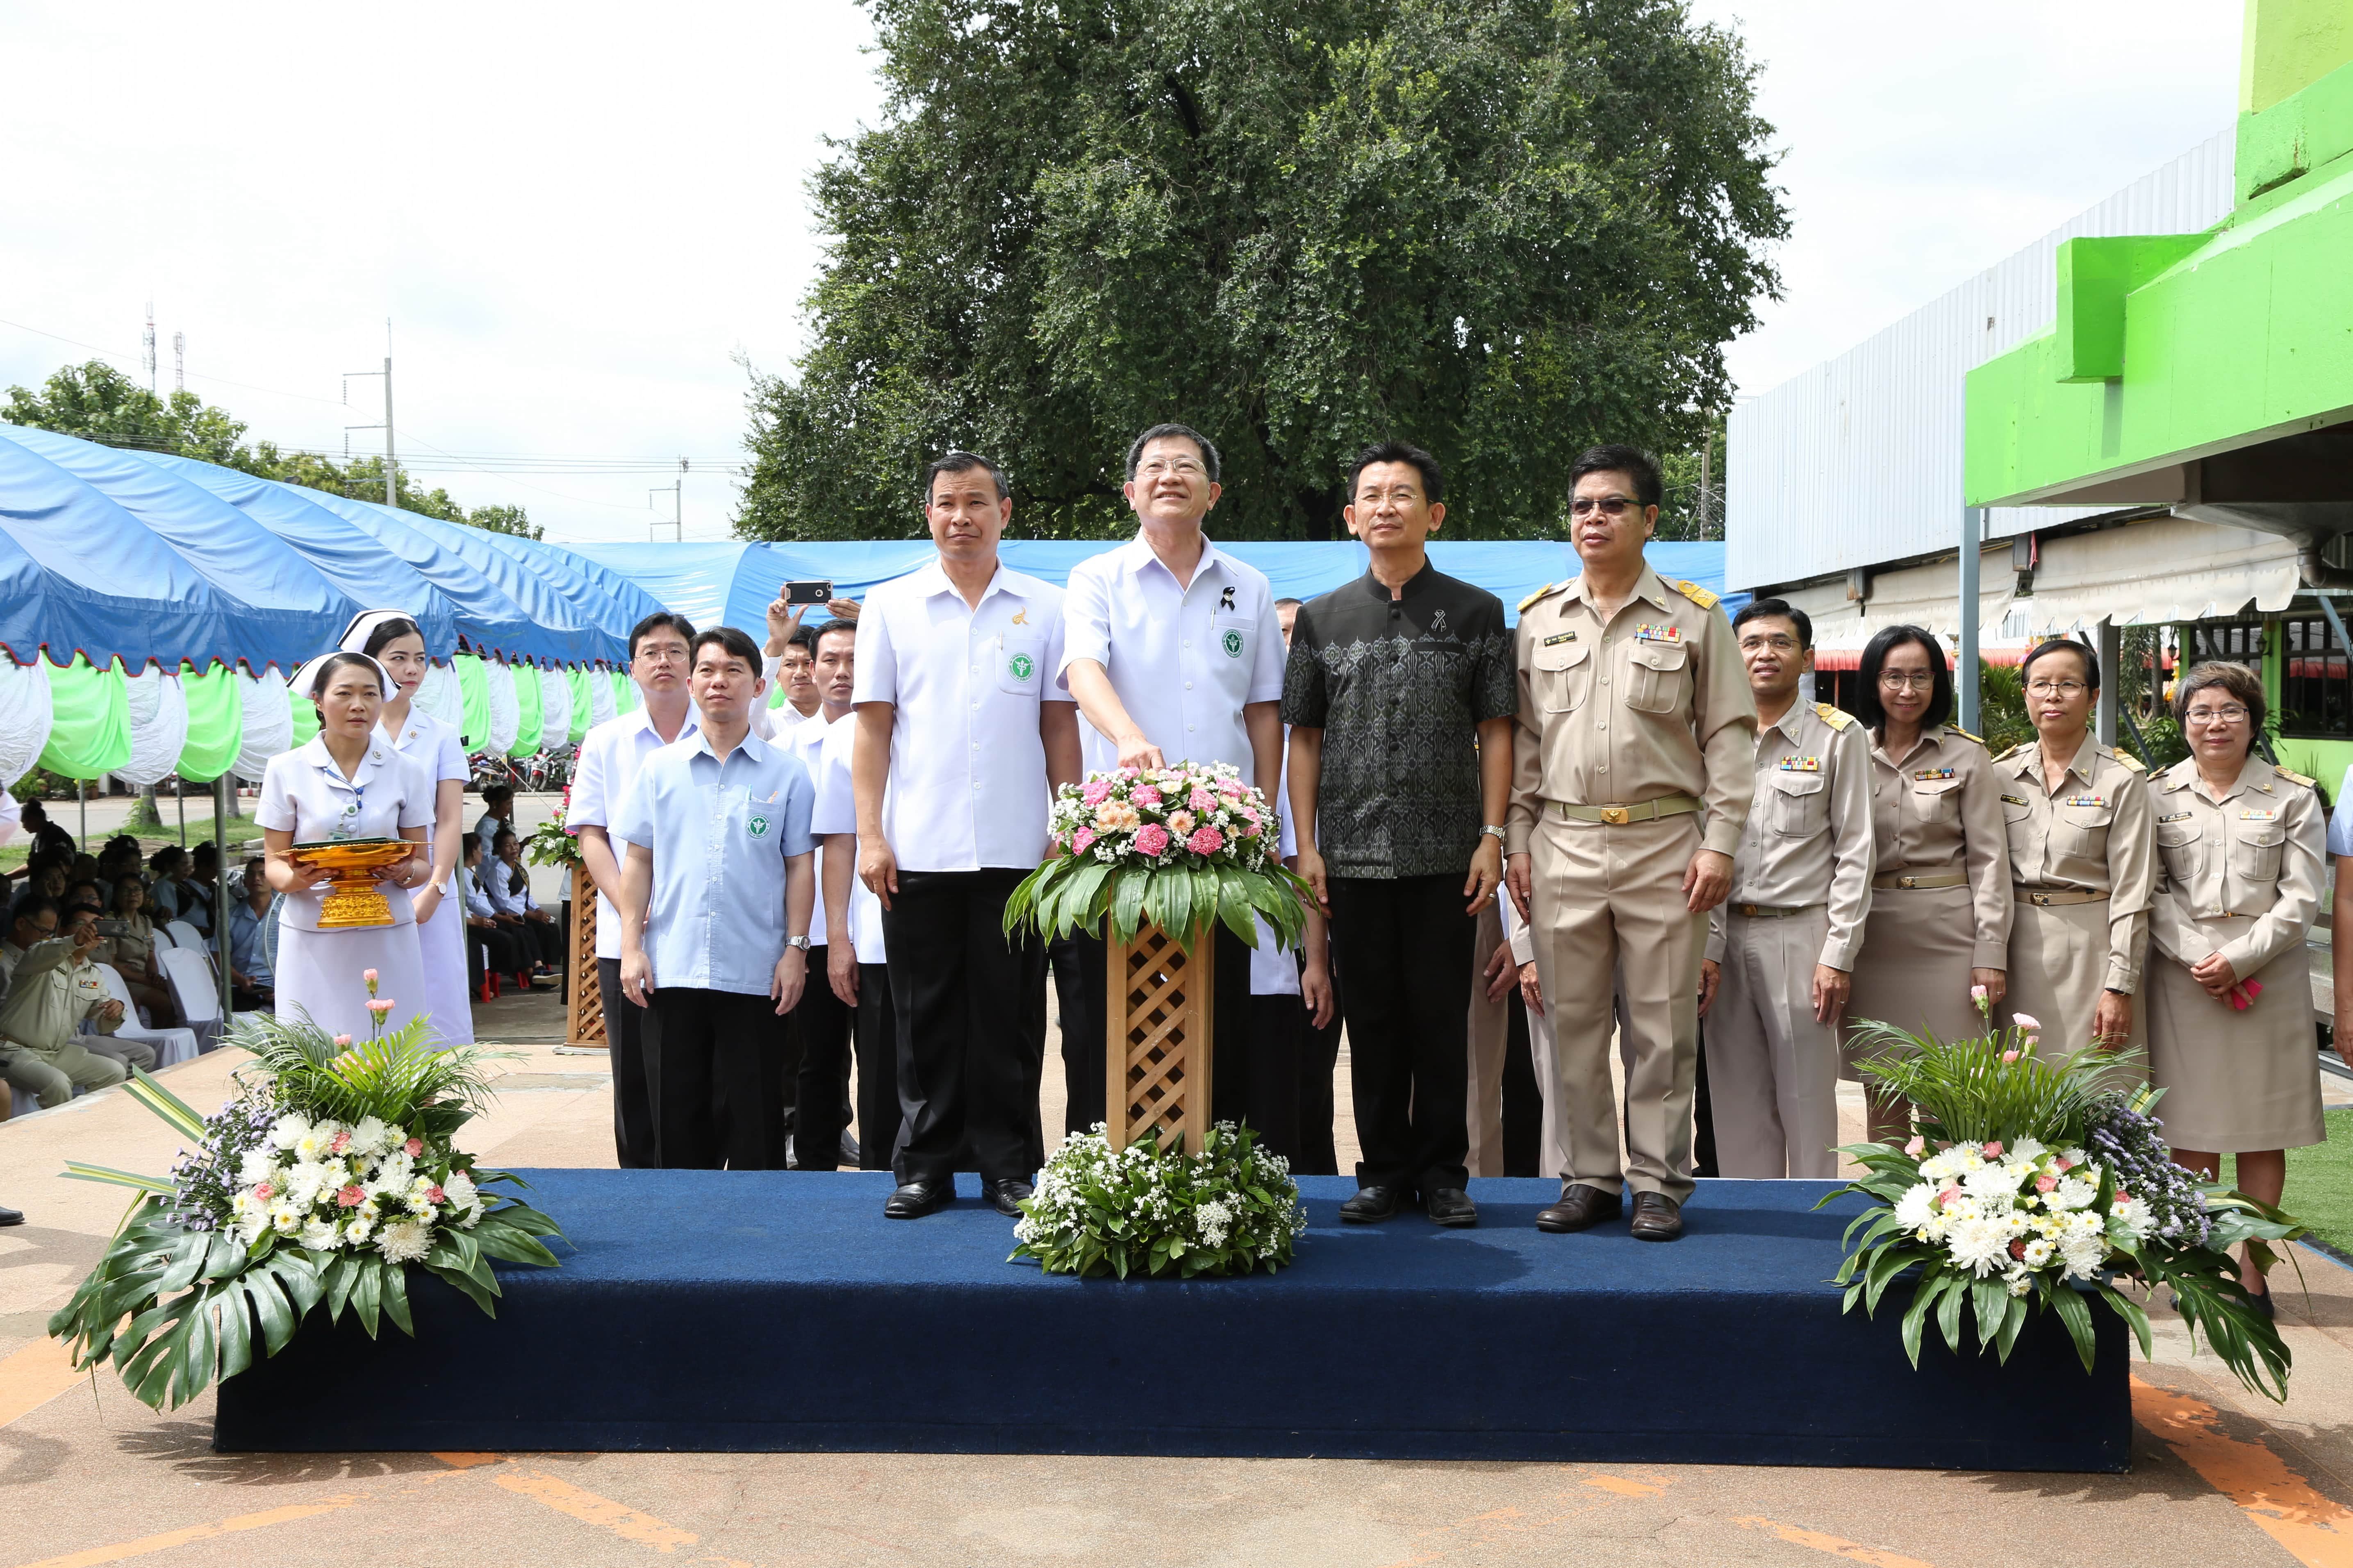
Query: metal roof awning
(1926,597)
(2162,570)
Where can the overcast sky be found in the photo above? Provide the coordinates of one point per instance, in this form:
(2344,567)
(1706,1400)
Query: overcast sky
(575,217)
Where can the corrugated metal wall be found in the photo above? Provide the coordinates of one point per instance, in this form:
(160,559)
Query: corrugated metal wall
(1858,461)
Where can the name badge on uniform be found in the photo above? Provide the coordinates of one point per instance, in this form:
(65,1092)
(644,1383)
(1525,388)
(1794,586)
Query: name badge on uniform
(2177,817)
(2268,813)
(2013,800)
(1647,632)
(1926,774)
(2085,800)
(1799,765)
(1559,637)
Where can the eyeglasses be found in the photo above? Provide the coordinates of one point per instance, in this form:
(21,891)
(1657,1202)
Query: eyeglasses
(1183,468)
(2230,715)
(1779,642)
(1608,506)
(2057,689)
(1907,680)
(672,654)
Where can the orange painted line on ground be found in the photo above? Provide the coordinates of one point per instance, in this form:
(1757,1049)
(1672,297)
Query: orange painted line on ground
(1623,1487)
(2316,1532)
(123,1551)
(1797,1535)
(627,1522)
(32,1376)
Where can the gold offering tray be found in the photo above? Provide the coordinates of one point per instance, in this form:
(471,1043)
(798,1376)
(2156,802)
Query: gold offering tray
(353,898)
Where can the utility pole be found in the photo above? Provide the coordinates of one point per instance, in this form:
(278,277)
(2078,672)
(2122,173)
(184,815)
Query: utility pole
(149,347)
(179,361)
(677,488)
(391,456)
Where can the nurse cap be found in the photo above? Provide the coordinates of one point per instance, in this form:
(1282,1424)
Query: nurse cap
(364,625)
(299,684)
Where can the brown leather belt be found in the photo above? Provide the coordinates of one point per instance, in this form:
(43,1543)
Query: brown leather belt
(2051,898)
(1619,816)
(1771,912)
(1914,880)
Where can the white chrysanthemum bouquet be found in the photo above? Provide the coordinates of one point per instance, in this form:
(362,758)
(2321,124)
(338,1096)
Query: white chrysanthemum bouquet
(2036,1185)
(330,1175)
(1229,1209)
(1180,846)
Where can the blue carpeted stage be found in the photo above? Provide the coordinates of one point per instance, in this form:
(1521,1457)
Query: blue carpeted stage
(780,1312)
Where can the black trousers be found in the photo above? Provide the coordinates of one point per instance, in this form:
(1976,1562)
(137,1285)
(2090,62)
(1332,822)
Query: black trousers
(1523,1100)
(821,1038)
(635,1145)
(881,1120)
(714,1061)
(971,1006)
(1246,1086)
(1408,951)
(492,949)
(1319,1061)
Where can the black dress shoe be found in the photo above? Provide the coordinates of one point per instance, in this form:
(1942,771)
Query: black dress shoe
(1007,1195)
(917,1199)
(1449,1206)
(1657,1217)
(1370,1204)
(10,1216)
(1581,1207)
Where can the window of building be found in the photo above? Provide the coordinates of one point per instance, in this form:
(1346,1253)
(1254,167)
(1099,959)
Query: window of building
(2315,681)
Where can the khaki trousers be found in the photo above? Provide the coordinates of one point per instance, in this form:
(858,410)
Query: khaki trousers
(1772,1070)
(51,1077)
(1605,897)
(1490,1035)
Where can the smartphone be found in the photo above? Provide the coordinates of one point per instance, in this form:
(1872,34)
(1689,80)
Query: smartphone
(114,928)
(807,592)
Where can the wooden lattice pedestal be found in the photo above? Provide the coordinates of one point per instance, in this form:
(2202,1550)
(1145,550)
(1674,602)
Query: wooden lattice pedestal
(1159,1023)
(585,1008)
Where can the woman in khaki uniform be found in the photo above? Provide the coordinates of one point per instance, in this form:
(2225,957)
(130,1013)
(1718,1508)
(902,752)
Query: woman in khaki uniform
(2081,863)
(1940,901)
(2239,845)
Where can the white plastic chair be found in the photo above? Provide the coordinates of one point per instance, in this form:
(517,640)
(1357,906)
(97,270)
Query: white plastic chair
(163,942)
(182,934)
(192,988)
(171,1045)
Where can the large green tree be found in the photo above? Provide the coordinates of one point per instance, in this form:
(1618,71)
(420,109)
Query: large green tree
(99,403)
(1503,228)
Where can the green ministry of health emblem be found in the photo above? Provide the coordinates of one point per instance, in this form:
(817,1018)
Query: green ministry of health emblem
(757,826)
(1233,644)
(1022,666)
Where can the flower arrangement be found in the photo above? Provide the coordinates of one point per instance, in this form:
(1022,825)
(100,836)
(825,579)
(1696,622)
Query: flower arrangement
(1229,1209)
(552,843)
(2030,1187)
(1178,846)
(322,1181)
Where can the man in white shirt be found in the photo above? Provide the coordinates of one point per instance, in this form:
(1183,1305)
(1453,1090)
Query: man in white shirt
(962,738)
(1174,653)
(820,1024)
(611,755)
(716,897)
(856,959)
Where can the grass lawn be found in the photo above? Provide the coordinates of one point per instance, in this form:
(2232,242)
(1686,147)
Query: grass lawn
(200,827)
(2320,1183)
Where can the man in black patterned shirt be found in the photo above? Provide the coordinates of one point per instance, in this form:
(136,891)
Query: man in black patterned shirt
(1400,691)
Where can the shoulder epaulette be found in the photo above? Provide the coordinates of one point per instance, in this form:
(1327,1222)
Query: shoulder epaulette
(2135,764)
(1539,593)
(1965,735)
(2293,777)
(2011,753)
(1836,717)
(1696,594)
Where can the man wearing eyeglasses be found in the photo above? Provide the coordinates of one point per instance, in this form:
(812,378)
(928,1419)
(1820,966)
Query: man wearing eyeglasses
(1632,773)
(1781,950)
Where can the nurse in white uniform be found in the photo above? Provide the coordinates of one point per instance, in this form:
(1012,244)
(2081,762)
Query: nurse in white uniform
(346,784)
(435,749)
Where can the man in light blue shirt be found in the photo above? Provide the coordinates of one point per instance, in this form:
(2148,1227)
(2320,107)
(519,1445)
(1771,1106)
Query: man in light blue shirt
(717,887)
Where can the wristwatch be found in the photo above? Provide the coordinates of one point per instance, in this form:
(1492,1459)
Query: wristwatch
(799,942)
(1491,829)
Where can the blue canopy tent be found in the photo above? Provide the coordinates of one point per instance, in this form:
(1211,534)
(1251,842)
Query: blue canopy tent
(352,559)
(612,602)
(565,627)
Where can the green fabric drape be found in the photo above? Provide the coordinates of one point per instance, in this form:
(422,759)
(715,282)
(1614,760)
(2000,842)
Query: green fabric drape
(475,687)
(306,720)
(529,715)
(583,715)
(90,730)
(215,722)
(625,693)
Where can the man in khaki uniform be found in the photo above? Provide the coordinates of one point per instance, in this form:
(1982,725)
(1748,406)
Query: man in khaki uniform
(1631,778)
(1780,952)
(55,987)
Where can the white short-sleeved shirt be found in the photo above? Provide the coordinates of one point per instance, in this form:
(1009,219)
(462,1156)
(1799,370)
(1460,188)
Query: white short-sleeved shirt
(611,755)
(837,812)
(806,738)
(432,747)
(305,794)
(1183,660)
(967,785)
(1274,971)
(2340,821)
(721,833)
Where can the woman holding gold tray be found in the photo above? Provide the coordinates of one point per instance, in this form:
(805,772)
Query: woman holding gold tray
(322,803)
